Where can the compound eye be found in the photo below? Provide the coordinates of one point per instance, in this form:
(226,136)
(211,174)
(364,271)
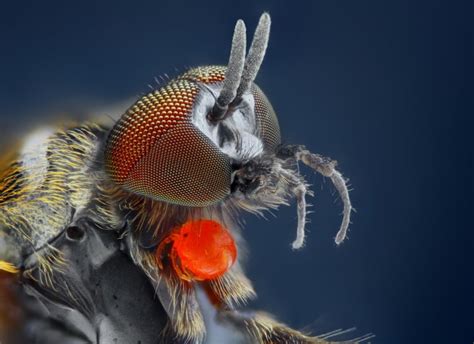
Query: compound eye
(155,150)
(268,128)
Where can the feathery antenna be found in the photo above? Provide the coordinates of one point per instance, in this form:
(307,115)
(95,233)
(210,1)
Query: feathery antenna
(256,54)
(241,71)
(233,73)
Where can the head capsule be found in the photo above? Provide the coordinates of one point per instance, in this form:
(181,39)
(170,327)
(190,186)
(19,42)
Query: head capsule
(179,144)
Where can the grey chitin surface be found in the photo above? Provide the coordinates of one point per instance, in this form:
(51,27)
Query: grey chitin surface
(117,298)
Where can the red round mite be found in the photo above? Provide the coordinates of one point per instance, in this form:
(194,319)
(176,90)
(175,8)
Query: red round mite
(200,250)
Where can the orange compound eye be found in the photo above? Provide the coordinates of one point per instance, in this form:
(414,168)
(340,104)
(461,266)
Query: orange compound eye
(156,150)
(200,250)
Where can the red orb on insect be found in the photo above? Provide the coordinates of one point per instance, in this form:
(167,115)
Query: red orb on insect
(200,250)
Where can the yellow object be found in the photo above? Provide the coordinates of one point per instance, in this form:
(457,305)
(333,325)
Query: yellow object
(8,267)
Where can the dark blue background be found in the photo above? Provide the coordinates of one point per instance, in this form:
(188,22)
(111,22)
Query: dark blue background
(381,86)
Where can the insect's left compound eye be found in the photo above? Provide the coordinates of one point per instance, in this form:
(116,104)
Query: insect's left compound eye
(156,151)
(268,128)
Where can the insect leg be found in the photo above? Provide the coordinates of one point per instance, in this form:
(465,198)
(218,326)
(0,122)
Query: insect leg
(231,290)
(299,190)
(300,194)
(262,329)
(327,168)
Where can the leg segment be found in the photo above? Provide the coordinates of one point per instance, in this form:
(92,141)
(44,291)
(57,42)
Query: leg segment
(262,329)
(231,290)
(326,167)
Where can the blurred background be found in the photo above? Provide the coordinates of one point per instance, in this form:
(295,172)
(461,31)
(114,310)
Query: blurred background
(384,87)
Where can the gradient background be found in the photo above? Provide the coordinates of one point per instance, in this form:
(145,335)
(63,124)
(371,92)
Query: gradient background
(384,87)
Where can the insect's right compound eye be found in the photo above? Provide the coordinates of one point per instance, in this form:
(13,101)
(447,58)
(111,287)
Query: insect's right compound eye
(156,151)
